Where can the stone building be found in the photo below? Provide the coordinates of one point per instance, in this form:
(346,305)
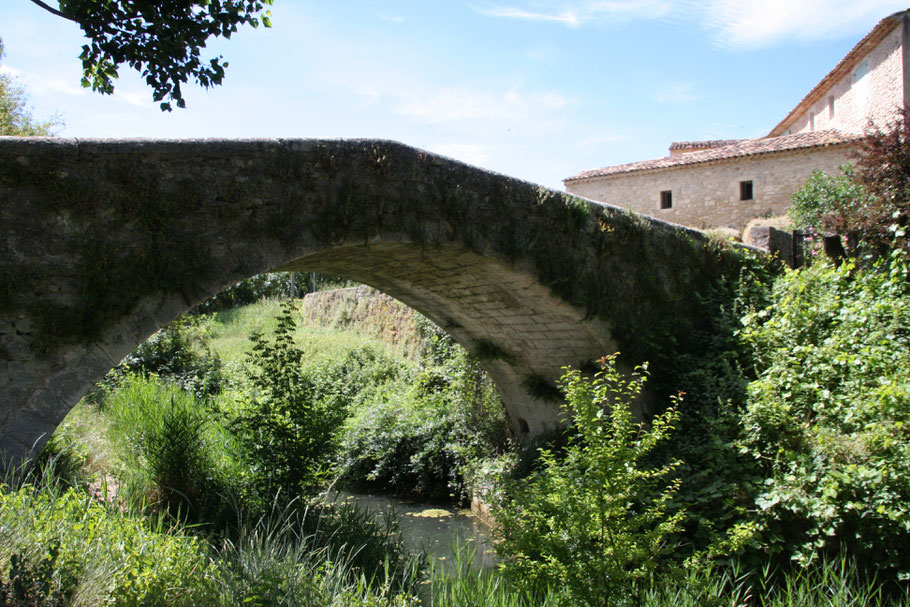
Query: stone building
(727,183)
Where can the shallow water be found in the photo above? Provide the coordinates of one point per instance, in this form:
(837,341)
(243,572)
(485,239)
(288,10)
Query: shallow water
(432,529)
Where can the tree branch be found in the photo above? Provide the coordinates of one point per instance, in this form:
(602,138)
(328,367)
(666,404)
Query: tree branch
(54,11)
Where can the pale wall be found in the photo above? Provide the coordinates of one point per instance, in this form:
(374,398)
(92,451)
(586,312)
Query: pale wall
(884,92)
(707,195)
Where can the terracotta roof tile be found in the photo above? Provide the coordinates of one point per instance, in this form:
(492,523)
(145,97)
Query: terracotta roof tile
(744,147)
(701,145)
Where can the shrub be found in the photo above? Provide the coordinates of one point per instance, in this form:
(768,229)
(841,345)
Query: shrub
(180,352)
(837,204)
(883,169)
(416,433)
(287,433)
(828,419)
(405,444)
(598,519)
(66,548)
(869,203)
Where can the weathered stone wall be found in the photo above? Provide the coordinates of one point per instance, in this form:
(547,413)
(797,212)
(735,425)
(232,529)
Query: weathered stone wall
(856,103)
(104,242)
(708,195)
(370,310)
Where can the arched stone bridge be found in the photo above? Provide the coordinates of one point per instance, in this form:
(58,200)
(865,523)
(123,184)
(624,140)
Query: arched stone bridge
(104,242)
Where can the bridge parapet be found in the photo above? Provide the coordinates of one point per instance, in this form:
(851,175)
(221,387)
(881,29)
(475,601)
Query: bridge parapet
(103,242)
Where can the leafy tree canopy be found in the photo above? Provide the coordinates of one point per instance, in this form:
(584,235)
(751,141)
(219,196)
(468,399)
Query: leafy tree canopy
(15,115)
(161,39)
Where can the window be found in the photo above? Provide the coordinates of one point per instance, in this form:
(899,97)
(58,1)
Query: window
(830,106)
(811,121)
(745,190)
(666,199)
(861,84)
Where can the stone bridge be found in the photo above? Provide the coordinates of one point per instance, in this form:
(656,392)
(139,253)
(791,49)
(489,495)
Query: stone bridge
(103,242)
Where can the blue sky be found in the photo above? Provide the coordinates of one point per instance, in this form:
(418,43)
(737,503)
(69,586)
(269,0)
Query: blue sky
(535,89)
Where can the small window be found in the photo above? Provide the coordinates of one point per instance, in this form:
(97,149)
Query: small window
(666,199)
(830,106)
(861,85)
(745,190)
(811,121)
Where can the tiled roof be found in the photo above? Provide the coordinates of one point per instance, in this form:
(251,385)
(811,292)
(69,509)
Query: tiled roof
(701,145)
(744,147)
(878,33)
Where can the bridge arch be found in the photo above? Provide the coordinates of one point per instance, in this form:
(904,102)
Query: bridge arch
(103,242)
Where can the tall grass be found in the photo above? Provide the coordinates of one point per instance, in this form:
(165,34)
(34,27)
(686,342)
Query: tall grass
(313,557)
(61,546)
(159,432)
(828,583)
(58,545)
(469,585)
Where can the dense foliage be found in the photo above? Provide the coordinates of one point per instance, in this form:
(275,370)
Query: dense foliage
(599,517)
(415,431)
(883,169)
(162,41)
(828,417)
(867,202)
(833,204)
(64,548)
(288,432)
(179,352)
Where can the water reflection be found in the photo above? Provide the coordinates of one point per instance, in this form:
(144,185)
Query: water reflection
(432,529)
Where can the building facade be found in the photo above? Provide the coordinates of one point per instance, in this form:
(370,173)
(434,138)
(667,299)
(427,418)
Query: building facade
(727,183)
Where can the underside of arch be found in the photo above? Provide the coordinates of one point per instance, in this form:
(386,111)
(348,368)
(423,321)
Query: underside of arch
(103,242)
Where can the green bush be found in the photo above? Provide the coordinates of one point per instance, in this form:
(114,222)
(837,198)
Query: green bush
(357,377)
(405,444)
(287,433)
(68,549)
(415,434)
(831,203)
(869,205)
(599,518)
(180,353)
(828,419)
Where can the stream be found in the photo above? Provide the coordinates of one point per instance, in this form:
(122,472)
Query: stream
(432,529)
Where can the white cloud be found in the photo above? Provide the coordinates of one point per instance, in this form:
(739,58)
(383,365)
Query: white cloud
(757,23)
(568,18)
(37,84)
(465,152)
(463,103)
(732,23)
(577,13)
(595,141)
(680,92)
(139,98)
